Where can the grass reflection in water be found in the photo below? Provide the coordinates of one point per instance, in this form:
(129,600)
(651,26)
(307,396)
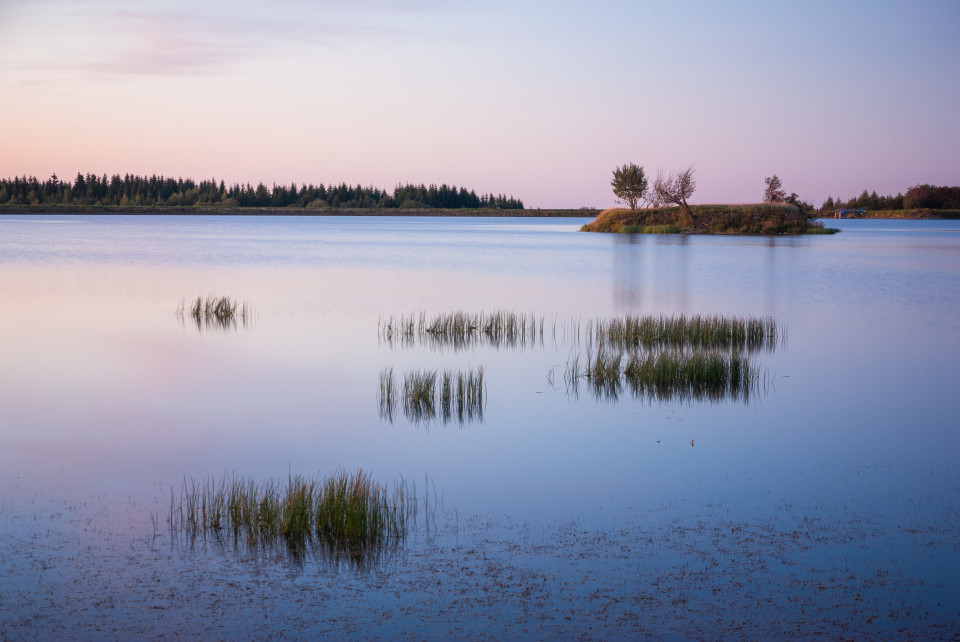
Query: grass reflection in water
(665,376)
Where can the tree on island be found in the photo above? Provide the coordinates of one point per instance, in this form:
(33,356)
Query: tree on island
(629,184)
(774,192)
(675,189)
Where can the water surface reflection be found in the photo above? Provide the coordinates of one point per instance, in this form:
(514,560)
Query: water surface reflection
(843,483)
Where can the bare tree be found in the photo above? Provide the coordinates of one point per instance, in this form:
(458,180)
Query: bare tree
(774,192)
(674,189)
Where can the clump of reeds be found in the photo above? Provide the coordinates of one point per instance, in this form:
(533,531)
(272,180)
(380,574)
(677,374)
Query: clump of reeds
(426,394)
(500,328)
(419,395)
(403,329)
(462,395)
(603,372)
(698,375)
(681,331)
(216,312)
(460,329)
(667,375)
(346,511)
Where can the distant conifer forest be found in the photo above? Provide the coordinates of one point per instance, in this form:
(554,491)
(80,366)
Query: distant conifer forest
(917,197)
(132,190)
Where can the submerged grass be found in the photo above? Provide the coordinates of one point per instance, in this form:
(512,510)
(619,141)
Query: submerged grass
(459,329)
(220,312)
(347,511)
(667,375)
(429,394)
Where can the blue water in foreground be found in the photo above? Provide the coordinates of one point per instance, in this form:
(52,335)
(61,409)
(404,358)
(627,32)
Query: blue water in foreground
(828,504)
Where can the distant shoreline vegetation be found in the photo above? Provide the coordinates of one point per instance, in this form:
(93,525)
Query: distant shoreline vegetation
(761,218)
(158,191)
(219,210)
(920,201)
(917,214)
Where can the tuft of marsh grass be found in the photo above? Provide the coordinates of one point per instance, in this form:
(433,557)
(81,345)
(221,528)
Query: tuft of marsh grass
(347,511)
(462,395)
(681,331)
(670,375)
(220,312)
(691,376)
(462,330)
(429,394)
(459,329)
(603,372)
(403,330)
(419,395)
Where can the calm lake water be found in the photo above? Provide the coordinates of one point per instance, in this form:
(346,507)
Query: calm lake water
(829,503)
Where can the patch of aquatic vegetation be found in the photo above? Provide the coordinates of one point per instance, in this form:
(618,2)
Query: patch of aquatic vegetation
(698,375)
(346,512)
(682,331)
(216,312)
(655,357)
(673,358)
(430,395)
(461,329)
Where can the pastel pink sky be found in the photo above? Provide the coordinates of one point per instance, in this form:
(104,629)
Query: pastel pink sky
(537,99)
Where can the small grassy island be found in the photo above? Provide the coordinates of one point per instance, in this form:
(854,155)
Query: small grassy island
(762,218)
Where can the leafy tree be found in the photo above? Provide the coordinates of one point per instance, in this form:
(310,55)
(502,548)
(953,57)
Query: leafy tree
(629,184)
(807,208)
(774,192)
(922,196)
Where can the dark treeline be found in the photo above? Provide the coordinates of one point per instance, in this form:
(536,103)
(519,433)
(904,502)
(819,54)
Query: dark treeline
(130,190)
(918,197)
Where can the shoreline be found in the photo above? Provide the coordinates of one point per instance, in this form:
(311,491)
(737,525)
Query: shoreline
(173,210)
(921,214)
